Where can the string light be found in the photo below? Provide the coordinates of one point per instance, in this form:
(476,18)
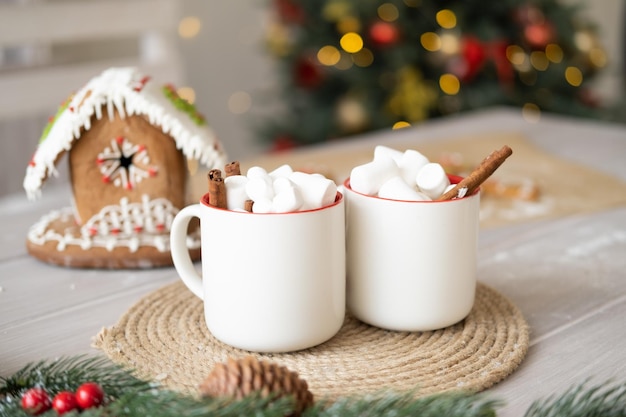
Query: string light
(239,102)
(335,10)
(449,84)
(363,58)
(597,56)
(583,41)
(450,43)
(348,24)
(573,76)
(388,12)
(554,53)
(531,112)
(187,93)
(539,61)
(351,42)
(400,125)
(446,19)
(345,62)
(189,27)
(430,41)
(515,54)
(328,55)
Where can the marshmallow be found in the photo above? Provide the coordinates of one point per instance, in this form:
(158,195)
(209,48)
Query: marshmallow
(262,205)
(317,191)
(260,188)
(432,180)
(281,171)
(410,164)
(381,151)
(287,200)
(236,194)
(368,178)
(397,189)
(256,172)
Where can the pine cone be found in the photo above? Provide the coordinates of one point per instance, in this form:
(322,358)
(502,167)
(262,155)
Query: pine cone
(239,378)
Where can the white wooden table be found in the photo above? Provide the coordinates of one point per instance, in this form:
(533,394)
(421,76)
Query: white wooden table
(571,286)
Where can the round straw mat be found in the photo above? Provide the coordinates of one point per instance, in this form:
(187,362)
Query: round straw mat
(164,338)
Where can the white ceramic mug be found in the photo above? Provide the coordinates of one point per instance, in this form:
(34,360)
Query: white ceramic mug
(270,282)
(411,265)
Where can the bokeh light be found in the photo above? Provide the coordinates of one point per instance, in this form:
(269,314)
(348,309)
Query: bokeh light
(430,41)
(363,58)
(449,84)
(187,93)
(515,54)
(531,112)
(351,42)
(400,125)
(450,43)
(554,53)
(446,19)
(597,56)
(388,12)
(189,27)
(583,40)
(539,60)
(239,102)
(573,76)
(345,62)
(348,24)
(328,55)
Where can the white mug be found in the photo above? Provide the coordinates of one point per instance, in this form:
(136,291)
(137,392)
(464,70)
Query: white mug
(270,282)
(411,265)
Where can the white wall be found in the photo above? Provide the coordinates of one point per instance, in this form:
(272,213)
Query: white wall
(225,60)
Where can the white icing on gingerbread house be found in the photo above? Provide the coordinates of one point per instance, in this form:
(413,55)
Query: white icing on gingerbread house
(127,92)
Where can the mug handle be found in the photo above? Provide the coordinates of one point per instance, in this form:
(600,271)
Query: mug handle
(180,253)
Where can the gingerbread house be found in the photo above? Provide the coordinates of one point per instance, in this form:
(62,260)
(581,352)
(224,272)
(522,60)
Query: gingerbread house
(132,146)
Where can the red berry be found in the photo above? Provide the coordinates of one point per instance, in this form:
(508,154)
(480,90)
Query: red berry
(89,395)
(64,402)
(35,401)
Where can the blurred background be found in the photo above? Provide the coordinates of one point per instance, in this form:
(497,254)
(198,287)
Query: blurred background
(276,74)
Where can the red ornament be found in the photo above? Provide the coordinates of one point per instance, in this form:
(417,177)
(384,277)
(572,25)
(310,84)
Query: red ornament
(307,74)
(289,11)
(283,143)
(36,401)
(528,14)
(384,33)
(540,34)
(64,402)
(474,55)
(89,395)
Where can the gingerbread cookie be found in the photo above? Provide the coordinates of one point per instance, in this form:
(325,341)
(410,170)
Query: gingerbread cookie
(129,142)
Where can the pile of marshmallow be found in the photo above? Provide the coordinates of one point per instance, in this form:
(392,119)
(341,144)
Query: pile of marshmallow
(282,190)
(396,175)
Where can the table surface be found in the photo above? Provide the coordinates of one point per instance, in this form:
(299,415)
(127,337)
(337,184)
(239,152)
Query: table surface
(567,275)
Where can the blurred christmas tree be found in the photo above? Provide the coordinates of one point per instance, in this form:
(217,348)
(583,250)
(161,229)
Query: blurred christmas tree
(352,66)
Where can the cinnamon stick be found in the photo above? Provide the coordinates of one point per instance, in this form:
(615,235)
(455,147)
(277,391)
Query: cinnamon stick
(214,173)
(232,169)
(470,183)
(217,189)
(248,205)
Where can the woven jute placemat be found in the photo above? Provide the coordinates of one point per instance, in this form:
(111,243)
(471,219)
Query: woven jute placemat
(164,338)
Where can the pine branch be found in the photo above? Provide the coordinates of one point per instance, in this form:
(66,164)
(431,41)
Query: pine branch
(406,404)
(582,401)
(68,373)
(128,396)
